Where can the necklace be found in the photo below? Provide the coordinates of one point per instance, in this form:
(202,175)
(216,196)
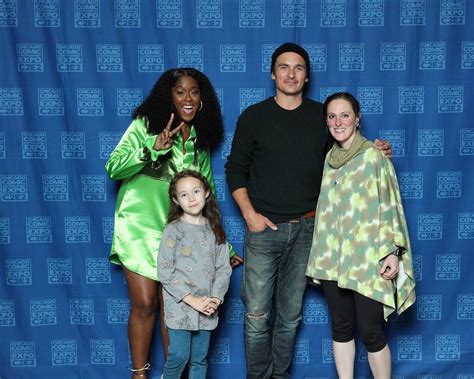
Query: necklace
(338,176)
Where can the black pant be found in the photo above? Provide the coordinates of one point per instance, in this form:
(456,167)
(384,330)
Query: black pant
(348,307)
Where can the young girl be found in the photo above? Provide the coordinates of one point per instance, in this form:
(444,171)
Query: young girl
(194,269)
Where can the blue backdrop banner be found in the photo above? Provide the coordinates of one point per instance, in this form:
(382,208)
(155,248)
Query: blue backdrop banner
(71,74)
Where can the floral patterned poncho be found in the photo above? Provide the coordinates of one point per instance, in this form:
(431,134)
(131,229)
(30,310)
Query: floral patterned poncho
(359,221)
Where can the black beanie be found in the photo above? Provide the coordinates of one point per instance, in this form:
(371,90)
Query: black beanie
(290,47)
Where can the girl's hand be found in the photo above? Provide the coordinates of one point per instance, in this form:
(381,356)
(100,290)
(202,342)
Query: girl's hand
(214,304)
(164,140)
(389,268)
(236,260)
(203,304)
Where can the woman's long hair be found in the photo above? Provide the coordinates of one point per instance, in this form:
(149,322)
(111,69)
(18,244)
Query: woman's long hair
(158,106)
(210,210)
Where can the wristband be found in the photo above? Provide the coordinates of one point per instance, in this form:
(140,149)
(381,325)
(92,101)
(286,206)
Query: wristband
(398,252)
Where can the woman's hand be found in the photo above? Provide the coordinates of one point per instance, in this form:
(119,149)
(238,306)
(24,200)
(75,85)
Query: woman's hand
(389,268)
(236,260)
(164,140)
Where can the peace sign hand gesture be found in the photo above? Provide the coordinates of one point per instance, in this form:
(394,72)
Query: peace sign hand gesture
(164,140)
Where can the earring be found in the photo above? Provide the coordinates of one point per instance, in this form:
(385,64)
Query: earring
(200,106)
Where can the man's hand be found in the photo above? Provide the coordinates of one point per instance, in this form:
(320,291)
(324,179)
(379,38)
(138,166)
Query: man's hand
(384,146)
(257,222)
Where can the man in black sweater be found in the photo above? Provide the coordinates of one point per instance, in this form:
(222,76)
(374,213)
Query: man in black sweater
(274,172)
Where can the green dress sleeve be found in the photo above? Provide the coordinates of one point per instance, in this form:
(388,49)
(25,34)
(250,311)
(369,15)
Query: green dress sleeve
(126,159)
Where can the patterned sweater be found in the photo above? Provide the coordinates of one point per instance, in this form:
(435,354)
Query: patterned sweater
(359,221)
(191,263)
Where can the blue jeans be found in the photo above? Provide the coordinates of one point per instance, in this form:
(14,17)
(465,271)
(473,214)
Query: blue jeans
(273,286)
(187,345)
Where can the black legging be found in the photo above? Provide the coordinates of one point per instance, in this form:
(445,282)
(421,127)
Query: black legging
(347,307)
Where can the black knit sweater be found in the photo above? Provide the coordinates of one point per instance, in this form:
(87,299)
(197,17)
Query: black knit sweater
(278,156)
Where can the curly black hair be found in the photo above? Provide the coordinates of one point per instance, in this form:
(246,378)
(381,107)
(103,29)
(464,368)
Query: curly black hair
(158,107)
(210,210)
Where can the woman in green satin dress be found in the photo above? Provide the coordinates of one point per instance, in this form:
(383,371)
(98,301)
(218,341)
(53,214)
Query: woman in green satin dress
(173,129)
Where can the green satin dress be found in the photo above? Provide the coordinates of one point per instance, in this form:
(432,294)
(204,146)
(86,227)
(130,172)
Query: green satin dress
(142,202)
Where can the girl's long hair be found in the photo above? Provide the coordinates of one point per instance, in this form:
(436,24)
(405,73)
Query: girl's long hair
(210,210)
(158,106)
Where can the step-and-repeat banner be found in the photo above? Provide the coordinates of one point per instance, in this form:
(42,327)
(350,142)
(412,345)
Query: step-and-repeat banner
(71,73)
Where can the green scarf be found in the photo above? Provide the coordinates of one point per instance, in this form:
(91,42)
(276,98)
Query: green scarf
(338,157)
